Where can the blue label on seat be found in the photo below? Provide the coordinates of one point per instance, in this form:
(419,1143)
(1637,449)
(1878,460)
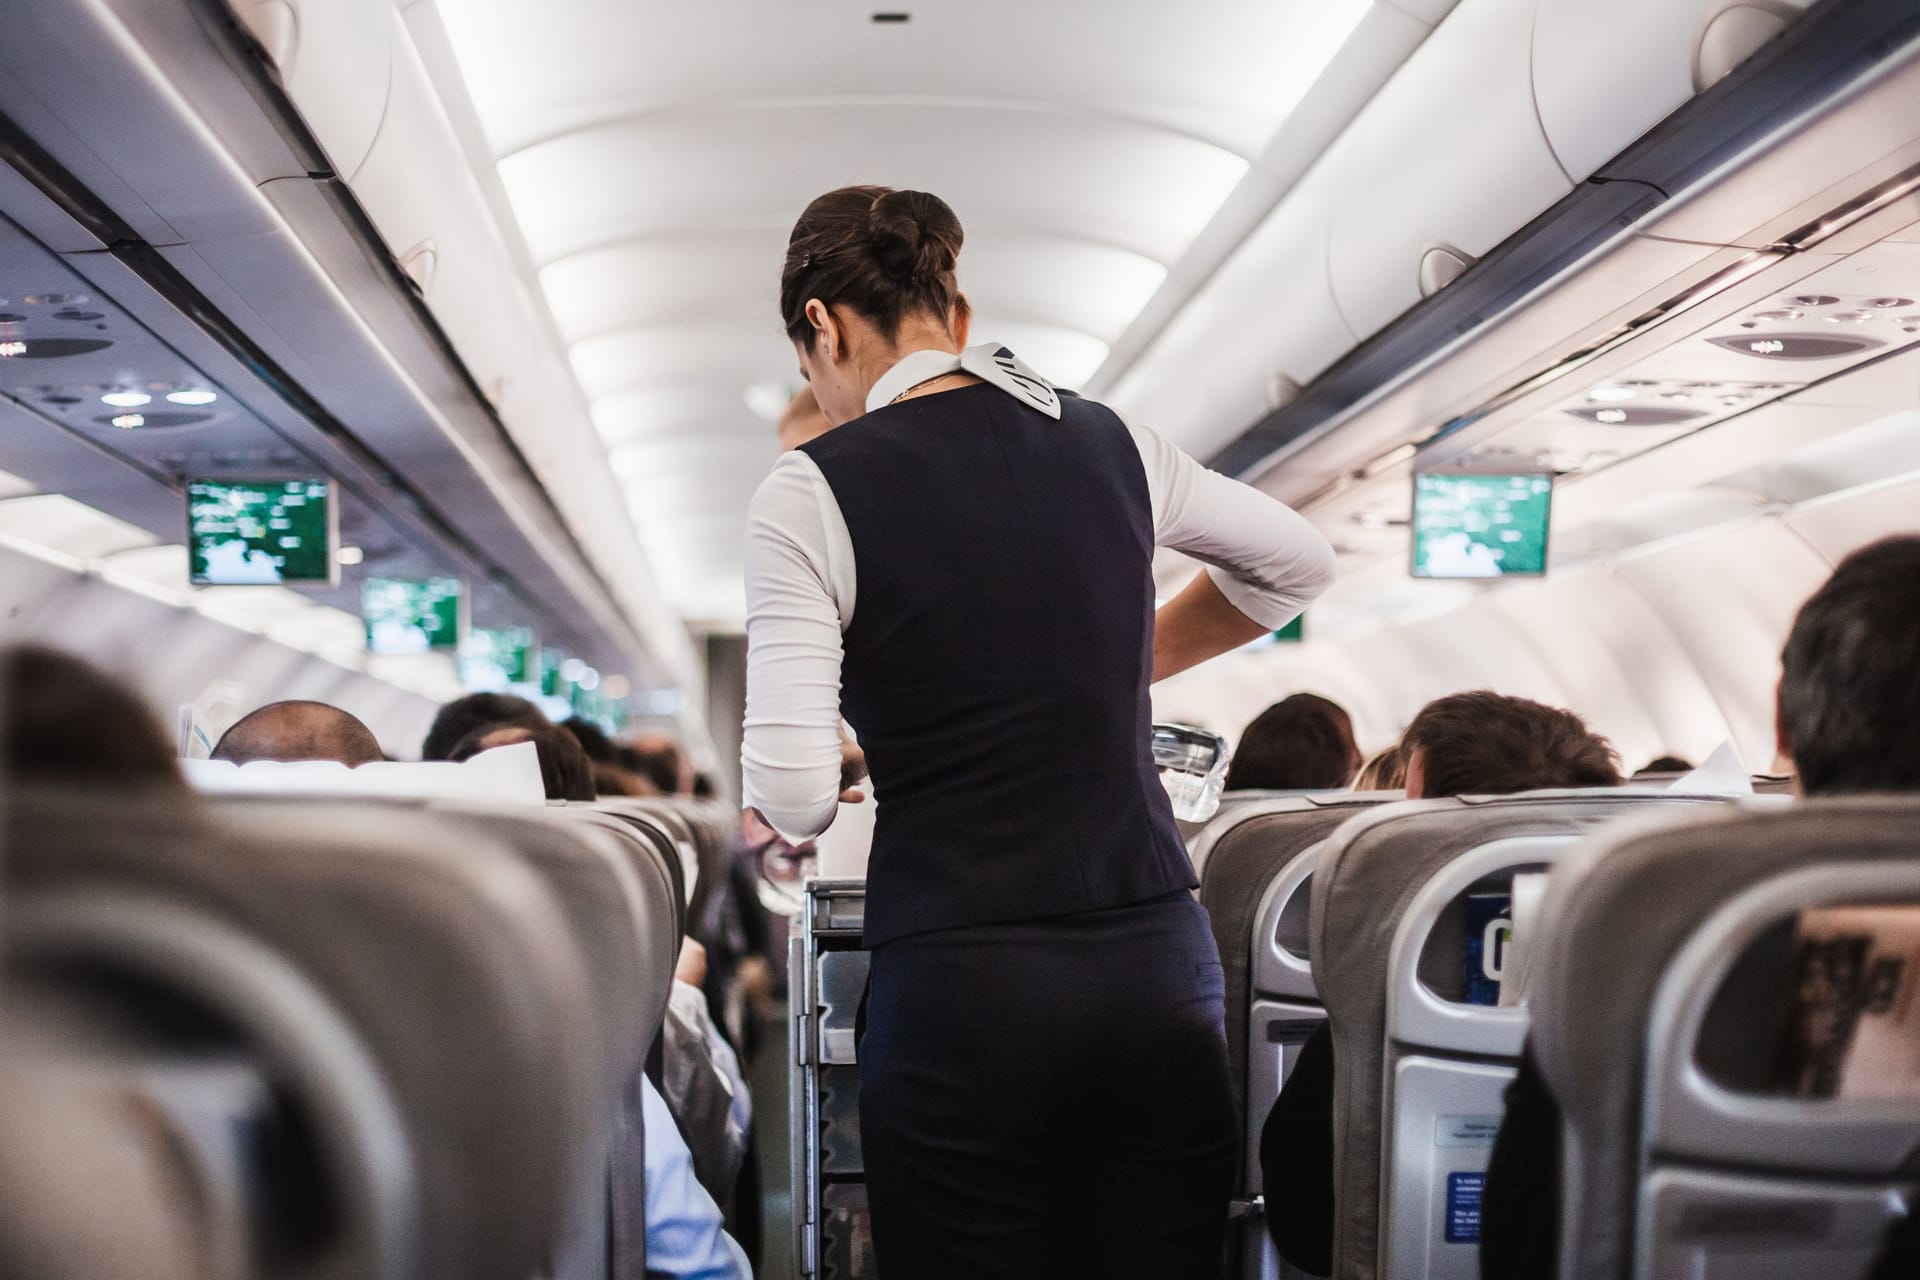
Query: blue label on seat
(1463,1207)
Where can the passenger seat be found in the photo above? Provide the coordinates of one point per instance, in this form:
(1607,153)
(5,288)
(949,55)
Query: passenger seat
(1256,859)
(1658,1006)
(1419,1072)
(429,1014)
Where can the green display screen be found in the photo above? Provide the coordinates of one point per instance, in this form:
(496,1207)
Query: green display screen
(499,655)
(259,533)
(1294,632)
(1480,526)
(411,617)
(550,663)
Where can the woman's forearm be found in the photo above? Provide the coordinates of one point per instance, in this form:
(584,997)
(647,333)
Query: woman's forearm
(1198,624)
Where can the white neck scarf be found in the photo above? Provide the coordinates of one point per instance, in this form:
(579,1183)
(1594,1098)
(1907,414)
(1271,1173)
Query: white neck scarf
(989,362)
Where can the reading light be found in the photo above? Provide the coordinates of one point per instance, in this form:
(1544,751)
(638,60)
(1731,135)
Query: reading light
(126,399)
(128,421)
(1612,393)
(13,348)
(348,554)
(195,397)
(1610,415)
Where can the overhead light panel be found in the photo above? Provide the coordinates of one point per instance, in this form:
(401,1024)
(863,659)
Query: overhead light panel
(192,397)
(128,421)
(1611,393)
(349,555)
(126,399)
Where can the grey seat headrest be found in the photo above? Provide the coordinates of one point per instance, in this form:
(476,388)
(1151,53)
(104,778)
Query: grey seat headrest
(1239,853)
(1593,998)
(88,1188)
(449,957)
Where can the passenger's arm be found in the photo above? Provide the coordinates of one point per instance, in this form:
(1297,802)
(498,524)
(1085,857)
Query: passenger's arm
(1267,562)
(799,567)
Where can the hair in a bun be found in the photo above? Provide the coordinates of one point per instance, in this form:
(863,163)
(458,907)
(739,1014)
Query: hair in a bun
(915,235)
(884,253)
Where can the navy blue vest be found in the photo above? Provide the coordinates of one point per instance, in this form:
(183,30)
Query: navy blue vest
(998,662)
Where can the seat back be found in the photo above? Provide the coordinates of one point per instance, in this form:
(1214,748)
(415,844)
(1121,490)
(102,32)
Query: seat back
(1255,859)
(653,836)
(284,1138)
(663,814)
(448,959)
(90,1187)
(1418,1071)
(1686,1152)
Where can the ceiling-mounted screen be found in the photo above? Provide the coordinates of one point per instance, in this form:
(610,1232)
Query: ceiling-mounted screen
(260,532)
(492,658)
(412,617)
(1480,526)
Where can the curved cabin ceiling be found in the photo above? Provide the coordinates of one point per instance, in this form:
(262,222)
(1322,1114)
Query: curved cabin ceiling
(655,157)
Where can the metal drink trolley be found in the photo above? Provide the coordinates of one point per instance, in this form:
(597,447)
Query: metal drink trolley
(832,1238)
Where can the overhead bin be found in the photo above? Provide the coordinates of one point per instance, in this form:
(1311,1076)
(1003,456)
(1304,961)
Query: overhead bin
(1448,158)
(1270,318)
(335,59)
(1605,74)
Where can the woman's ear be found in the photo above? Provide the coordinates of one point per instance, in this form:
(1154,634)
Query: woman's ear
(826,331)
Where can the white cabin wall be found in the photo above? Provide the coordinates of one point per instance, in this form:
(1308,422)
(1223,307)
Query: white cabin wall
(1675,649)
(174,656)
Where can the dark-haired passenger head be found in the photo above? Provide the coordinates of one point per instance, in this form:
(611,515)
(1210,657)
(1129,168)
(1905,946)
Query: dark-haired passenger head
(68,723)
(1485,743)
(870,271)
(597,745)
(659,760)
(1301,743)
(1665,764)
(565,771)
(1849,702)
(289,731)
(475,711)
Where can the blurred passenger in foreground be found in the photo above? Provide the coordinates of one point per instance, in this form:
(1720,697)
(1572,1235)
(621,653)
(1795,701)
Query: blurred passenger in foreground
(475,711)
(289,731)
(565,770)
(1385,771)
(67,722)
(1301,743)
(1478,743)
(1848,716)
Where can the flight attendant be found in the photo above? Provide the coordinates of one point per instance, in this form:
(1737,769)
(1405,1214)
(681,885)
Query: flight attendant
(964,567)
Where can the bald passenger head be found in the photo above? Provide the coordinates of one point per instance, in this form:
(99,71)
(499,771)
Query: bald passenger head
(299,731)
(802,421)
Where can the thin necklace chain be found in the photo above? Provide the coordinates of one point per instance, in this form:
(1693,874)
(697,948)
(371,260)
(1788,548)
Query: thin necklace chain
(924,382)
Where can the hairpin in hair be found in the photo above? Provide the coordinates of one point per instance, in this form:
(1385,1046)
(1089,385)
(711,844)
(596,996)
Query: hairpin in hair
(806,261)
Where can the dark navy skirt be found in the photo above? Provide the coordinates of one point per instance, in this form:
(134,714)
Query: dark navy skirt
(1050,1098)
